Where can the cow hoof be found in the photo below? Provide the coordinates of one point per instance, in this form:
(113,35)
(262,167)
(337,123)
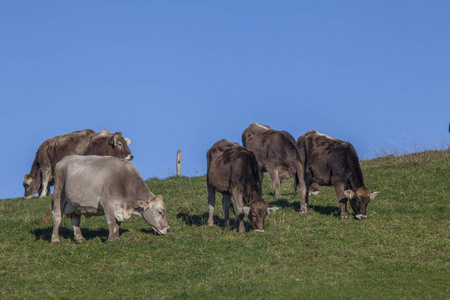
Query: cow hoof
(79,240)
(55,241)
(344,217)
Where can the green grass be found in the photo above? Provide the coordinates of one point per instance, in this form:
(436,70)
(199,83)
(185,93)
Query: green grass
(402,251)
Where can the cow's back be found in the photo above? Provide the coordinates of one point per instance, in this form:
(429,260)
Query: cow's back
(229,165)
(91,180)
(53,150)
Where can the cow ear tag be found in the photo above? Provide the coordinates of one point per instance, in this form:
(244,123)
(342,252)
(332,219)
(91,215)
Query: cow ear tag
(143,204)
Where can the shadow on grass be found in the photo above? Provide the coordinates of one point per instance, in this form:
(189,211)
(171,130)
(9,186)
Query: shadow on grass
(197,220)
(65,233)
(324,210)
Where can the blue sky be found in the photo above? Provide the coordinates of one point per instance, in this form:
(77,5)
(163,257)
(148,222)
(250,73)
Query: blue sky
(184,74)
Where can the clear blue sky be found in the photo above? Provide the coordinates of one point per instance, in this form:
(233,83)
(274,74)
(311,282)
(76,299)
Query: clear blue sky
(184,74)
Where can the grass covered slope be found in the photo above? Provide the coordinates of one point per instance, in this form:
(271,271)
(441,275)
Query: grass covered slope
(401,251)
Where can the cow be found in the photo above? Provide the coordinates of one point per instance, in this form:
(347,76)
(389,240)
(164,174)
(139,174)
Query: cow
(83,142)
(276,153)
(103,185)
(233,171)
(332,162)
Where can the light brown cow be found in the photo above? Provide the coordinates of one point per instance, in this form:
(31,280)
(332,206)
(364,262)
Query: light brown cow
(83,142)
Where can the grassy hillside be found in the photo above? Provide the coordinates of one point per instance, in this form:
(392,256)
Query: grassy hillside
(401,251)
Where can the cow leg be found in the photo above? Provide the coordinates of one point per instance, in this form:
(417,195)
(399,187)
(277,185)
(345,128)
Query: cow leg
(45,174)
(211,203)
(304,191)
(226,203)
(239,222)
(113,225)
(78,237)
(275,182)
(57,199)
(56,222)
(342,199)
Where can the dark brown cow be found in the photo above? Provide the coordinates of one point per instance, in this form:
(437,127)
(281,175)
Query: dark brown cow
(276,153)
(332,162)
(233,171)
(81,142)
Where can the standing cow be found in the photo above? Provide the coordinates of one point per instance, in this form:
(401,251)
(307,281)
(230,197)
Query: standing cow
(83,142)
(276,153)
(332,162)
(103,185)
(233,171)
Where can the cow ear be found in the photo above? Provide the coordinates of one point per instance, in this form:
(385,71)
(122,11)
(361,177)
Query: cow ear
(128,141)
(272,209)
(349,193)
(113,141)
(143,204)
(245,210)
(373,195)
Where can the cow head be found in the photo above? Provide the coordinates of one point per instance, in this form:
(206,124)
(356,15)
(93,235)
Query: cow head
(359,201)
(154,213)
(31,186)
(106,143)
(257,210)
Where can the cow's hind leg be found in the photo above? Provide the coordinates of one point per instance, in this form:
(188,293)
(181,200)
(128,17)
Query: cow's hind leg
(211,203)
(275,182)
(226,203)
(56,223)
(78,237)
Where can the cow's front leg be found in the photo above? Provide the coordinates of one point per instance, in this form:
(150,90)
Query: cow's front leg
(226,203)
(78,237)
(45,174)
(342,199)
(211,203)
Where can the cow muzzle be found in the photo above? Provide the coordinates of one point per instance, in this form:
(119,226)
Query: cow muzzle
(360,216)
(162,231)
(129,157)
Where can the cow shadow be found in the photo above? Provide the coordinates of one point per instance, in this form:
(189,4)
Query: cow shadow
(202,220)
(283,203)
(45,234)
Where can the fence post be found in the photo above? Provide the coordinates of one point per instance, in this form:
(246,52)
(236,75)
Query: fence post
(178,163)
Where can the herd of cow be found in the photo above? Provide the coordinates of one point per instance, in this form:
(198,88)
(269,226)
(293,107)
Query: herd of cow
(93,176)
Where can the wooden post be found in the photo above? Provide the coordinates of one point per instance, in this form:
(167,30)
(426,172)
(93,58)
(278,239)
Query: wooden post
(179,163)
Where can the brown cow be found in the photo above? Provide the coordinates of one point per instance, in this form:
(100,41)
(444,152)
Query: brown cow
(81,142)
(276,153)
(233,171)
(332,162)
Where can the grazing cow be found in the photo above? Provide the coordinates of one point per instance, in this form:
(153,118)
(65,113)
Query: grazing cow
(233,171)
(332,162)
(83,142)
(103,185)
(276,153)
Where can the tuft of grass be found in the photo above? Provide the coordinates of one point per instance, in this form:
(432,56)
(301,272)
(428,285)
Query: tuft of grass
(401,251)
